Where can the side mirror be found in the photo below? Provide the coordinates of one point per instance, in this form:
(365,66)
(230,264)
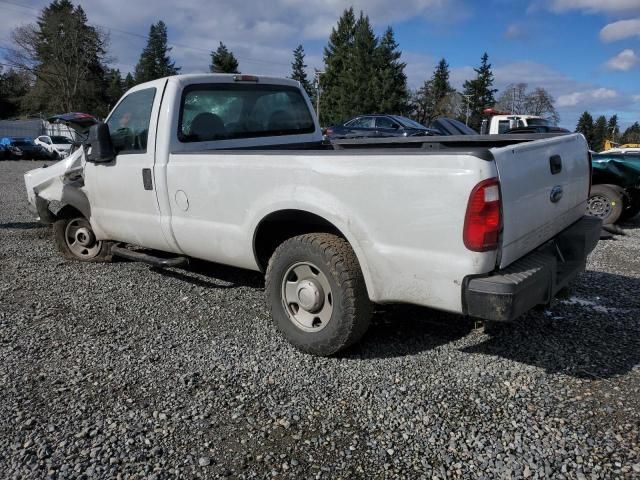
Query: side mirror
(100,147)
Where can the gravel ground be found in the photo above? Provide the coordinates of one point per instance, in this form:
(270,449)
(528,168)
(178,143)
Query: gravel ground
(118,370)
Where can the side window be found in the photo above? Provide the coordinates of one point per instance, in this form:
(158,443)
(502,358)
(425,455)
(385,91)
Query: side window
(503,126)
(129,123)
(363,122)
(385,122)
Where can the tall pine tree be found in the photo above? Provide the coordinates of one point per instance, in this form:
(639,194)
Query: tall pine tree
(299,72)
(631,134)
(599,133)
(64,54)
(435,98)
(478,93)
(585,127)
(223,60)
(337,53)
(363,73)
(154,61)
(390,89)
(114,87)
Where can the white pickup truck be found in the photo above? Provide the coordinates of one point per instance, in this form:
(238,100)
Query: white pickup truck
(232,169)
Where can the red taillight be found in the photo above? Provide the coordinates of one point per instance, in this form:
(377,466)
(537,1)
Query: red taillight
(483,220)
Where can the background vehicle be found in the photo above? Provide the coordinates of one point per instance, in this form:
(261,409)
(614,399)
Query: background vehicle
(500,122)
(57,145)
(233,169)
(615,194)
(612,147)
(25,149)
(378,126)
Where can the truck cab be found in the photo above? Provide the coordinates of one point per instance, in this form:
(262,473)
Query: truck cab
(498,123)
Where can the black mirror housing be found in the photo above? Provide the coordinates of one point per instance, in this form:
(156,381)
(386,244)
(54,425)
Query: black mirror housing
(100,147)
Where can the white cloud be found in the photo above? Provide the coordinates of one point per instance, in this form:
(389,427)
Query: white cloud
(587,98)
(514,32)
(620,30)
(596,6)
(624,61)
(636,98)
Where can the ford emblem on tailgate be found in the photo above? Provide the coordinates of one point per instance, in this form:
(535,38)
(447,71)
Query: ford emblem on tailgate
(556,194)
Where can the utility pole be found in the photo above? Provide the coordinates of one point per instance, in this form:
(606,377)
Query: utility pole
(466,97)
(318,90)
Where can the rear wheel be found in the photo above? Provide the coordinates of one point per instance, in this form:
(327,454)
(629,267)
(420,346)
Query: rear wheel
(75,239)
(632,206)
(605,202)
(317,293)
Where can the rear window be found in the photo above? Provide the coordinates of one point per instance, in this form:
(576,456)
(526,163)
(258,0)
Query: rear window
(223,112)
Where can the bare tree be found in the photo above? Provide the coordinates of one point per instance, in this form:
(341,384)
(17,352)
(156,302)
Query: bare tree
(540,102)
(513,99)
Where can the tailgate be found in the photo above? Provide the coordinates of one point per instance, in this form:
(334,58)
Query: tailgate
(544,186)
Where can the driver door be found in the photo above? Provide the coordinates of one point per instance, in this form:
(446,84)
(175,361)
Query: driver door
(122,192)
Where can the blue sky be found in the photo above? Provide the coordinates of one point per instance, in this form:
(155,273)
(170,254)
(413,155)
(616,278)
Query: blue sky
(585,52)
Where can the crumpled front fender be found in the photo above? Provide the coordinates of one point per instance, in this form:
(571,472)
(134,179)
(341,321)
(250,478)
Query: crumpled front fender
(62,182)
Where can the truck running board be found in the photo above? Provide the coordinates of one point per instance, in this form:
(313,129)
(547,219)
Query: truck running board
(150,259)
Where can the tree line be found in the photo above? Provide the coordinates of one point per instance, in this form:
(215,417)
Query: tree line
(601,129)
(61,63)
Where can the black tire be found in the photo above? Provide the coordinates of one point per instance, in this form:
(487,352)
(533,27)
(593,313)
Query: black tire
(96,251)
(631,206)
(351,311)
(605,202)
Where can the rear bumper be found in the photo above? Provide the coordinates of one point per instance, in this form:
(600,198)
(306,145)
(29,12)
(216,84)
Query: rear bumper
(533,279)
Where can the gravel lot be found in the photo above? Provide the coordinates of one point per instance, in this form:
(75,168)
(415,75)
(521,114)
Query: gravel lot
(118,370)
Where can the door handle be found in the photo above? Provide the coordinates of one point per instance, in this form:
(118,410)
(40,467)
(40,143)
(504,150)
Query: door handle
(147,180)
(555,163)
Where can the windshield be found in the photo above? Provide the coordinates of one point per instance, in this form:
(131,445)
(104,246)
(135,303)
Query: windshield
(535,122)
(408,123)
(59,140)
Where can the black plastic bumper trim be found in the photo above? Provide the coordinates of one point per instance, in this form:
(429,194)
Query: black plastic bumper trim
(535,278)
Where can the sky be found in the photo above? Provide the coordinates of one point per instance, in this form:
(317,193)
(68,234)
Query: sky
(586,53)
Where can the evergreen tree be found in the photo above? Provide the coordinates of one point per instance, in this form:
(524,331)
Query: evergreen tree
(299,72)
(154,61)
(585,127)
(363,73)
(223,60)
(390,87)
(360,77)
(64,55)
(599,133)
(114,87)
(13,88)
(436,97)
(613,129)
(129,82)
(479,93)
(631,134)
(336,59)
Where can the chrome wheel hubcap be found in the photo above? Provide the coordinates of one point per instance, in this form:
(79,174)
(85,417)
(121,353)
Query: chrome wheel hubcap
(307,297)
(81,240)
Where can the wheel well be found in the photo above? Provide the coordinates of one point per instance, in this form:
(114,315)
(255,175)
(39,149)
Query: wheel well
(279,226)
(68,211)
